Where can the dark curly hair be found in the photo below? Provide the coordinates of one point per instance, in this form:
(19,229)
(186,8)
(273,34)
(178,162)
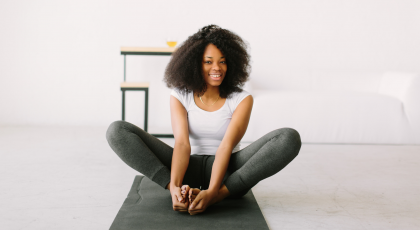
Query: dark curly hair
(184,70)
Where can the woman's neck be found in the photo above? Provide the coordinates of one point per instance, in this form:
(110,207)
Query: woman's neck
(211,93)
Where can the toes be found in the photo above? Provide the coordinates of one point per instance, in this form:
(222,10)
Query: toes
(185,190)
(195,191)
(193,194)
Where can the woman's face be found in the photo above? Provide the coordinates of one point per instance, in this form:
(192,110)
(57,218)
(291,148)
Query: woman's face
(214,66)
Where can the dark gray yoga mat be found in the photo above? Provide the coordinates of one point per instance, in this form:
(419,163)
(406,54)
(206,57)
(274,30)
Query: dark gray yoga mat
(149,206)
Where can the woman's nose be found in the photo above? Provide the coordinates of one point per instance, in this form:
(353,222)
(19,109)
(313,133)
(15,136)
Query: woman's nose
(216,66)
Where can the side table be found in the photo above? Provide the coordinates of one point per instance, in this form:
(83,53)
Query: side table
(142,86)
(136,86)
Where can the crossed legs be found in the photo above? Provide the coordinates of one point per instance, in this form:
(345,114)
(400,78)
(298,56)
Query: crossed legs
(152,157)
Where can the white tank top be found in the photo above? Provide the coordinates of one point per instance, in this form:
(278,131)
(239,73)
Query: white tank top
(207,129)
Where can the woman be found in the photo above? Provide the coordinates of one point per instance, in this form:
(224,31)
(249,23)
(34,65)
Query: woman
(209,114)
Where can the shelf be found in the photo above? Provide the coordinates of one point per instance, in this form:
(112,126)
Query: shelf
(166,51)
(134,85)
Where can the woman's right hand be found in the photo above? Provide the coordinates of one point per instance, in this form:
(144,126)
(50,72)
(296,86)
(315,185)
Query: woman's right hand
(178,202)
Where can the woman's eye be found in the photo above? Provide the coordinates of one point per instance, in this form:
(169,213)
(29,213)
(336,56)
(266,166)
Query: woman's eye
(224,62)
(208,62)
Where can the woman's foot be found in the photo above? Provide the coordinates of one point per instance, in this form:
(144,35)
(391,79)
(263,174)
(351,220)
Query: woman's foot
(193,194)
(178,202)
(185,190)
(200,200)
(223,193)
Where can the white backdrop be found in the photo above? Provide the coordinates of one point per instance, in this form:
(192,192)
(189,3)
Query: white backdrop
(60,62)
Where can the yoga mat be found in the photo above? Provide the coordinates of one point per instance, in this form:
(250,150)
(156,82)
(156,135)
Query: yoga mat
(149,206)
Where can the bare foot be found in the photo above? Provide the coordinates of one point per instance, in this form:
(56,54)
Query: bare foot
(223,193)
(185,189)
(178,203)
(193,194)
(204,200)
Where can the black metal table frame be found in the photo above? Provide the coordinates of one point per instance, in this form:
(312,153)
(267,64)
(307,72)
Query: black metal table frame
(145,89)
(146,103)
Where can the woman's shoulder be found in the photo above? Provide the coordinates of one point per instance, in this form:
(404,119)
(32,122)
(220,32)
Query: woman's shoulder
(239,96)
(235,98)
(182,96)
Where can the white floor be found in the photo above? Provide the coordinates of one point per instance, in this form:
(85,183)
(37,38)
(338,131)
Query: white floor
(69,178)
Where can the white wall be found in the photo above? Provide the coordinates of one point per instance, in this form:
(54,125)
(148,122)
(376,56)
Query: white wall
(60,61)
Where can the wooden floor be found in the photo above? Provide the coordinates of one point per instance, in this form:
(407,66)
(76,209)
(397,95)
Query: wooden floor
(69,178)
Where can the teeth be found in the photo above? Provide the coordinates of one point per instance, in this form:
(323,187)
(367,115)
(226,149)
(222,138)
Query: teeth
(211,75)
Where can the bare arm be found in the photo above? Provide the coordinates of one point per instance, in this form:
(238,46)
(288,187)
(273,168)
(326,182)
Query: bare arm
(234,134)
(181,154)
(182,148)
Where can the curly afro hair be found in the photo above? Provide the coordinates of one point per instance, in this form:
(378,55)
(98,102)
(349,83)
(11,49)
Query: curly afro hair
(184,70)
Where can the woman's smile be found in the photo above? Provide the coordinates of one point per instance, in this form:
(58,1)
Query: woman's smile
(216,77)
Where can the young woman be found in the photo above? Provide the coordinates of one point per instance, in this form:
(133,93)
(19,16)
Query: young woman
(209,114)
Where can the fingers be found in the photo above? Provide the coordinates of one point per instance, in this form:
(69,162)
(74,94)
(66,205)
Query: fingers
(198,209)
(178,195)
(179,199)
(196,201)
(181,196)
(198,204)
(179,206)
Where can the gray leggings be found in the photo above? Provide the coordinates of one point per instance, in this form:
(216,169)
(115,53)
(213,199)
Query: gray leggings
(152,157)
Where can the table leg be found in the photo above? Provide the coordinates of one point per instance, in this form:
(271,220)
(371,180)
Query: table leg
(146,108)
(123,105)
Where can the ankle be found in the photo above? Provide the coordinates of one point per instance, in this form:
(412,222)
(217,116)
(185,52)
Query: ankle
(223,191)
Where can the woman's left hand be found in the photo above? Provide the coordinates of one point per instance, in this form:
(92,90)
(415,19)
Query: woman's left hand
(201,202)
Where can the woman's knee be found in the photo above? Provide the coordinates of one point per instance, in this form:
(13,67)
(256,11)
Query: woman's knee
(290,135)
(114,130)
(288,138)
